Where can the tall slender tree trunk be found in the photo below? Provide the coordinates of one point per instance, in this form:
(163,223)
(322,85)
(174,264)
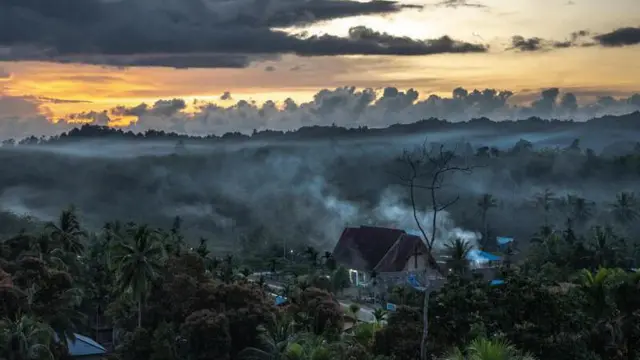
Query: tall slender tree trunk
(425,323)
(485,236)
(140,311)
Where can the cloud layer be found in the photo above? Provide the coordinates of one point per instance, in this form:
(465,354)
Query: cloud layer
(346,106)
(195,33)
(620,37)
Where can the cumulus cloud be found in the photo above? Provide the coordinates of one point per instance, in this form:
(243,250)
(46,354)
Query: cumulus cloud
(21,117)
(194,33)
(620,37)
(344,106)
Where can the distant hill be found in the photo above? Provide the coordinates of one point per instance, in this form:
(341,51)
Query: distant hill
(611,125)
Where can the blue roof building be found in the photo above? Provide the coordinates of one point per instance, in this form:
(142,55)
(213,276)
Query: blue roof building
(85,348)
(482,257)
(503,241)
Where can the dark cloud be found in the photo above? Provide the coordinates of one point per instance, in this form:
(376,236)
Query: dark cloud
(620,37)
(226,96)
(159,108)
(345,106)
(194,33)
(167,107)
(523,44)
(460,3)
(270,68)
(575,39)
(94,117)
(363,40)
(138,110)
(545,105)
(61,101)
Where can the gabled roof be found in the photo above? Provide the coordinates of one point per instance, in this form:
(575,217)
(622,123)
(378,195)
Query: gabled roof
(362,248)
(367,248)
(396,258)
(83,346)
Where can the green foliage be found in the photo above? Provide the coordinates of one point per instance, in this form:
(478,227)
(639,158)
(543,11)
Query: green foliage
(568,299)
(340,279)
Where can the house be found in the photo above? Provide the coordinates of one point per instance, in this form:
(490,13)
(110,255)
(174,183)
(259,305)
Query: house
(85,348)
(366,250)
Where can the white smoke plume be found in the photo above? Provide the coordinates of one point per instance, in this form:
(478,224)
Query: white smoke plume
(393,213)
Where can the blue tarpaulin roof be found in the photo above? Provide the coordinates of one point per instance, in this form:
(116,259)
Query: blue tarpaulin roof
(414,282)
(482,256)
(504,240)
(83,346)
(280,300)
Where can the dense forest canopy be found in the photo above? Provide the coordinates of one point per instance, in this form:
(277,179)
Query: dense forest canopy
(307,185)
(179,246)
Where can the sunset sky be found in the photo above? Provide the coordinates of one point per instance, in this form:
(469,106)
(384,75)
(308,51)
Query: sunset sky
(65,57)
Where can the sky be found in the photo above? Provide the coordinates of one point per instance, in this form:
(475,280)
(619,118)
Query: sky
(212,66)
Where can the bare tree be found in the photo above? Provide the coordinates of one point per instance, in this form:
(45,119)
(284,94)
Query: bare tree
(486,203)
(427,170)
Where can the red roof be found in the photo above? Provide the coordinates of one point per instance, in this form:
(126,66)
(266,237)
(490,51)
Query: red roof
(367,248)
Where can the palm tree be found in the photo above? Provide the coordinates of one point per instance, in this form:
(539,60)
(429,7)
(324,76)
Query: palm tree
(485,203)
(274,340)
(137,263)
(202,248)
(312,255)
(483,349)
(604,251)
(625,208)
(594,285)
(67,231)
(579,209)
(66,319)
(544,201)
(457,251)
(380,315)
(329,261)
(25,339)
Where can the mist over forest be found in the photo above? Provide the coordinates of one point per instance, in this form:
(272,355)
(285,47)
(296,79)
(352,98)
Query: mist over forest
(306,186)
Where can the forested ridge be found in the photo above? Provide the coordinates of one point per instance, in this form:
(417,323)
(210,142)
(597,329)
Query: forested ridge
(183,285)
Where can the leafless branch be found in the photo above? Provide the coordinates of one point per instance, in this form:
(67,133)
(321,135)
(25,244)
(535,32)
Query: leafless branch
(432,169)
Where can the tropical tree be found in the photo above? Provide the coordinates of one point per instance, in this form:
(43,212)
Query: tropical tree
(329,261)
(486,203)
(25,339)
(483,349)
(457,251)
(67,231)
(137,262)
(544,200)
(312,255)
(594,285)
(274,340)
(380,315)
(625,209)
(577,208)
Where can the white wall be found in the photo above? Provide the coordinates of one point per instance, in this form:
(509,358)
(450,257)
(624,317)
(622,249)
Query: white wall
(410,265)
